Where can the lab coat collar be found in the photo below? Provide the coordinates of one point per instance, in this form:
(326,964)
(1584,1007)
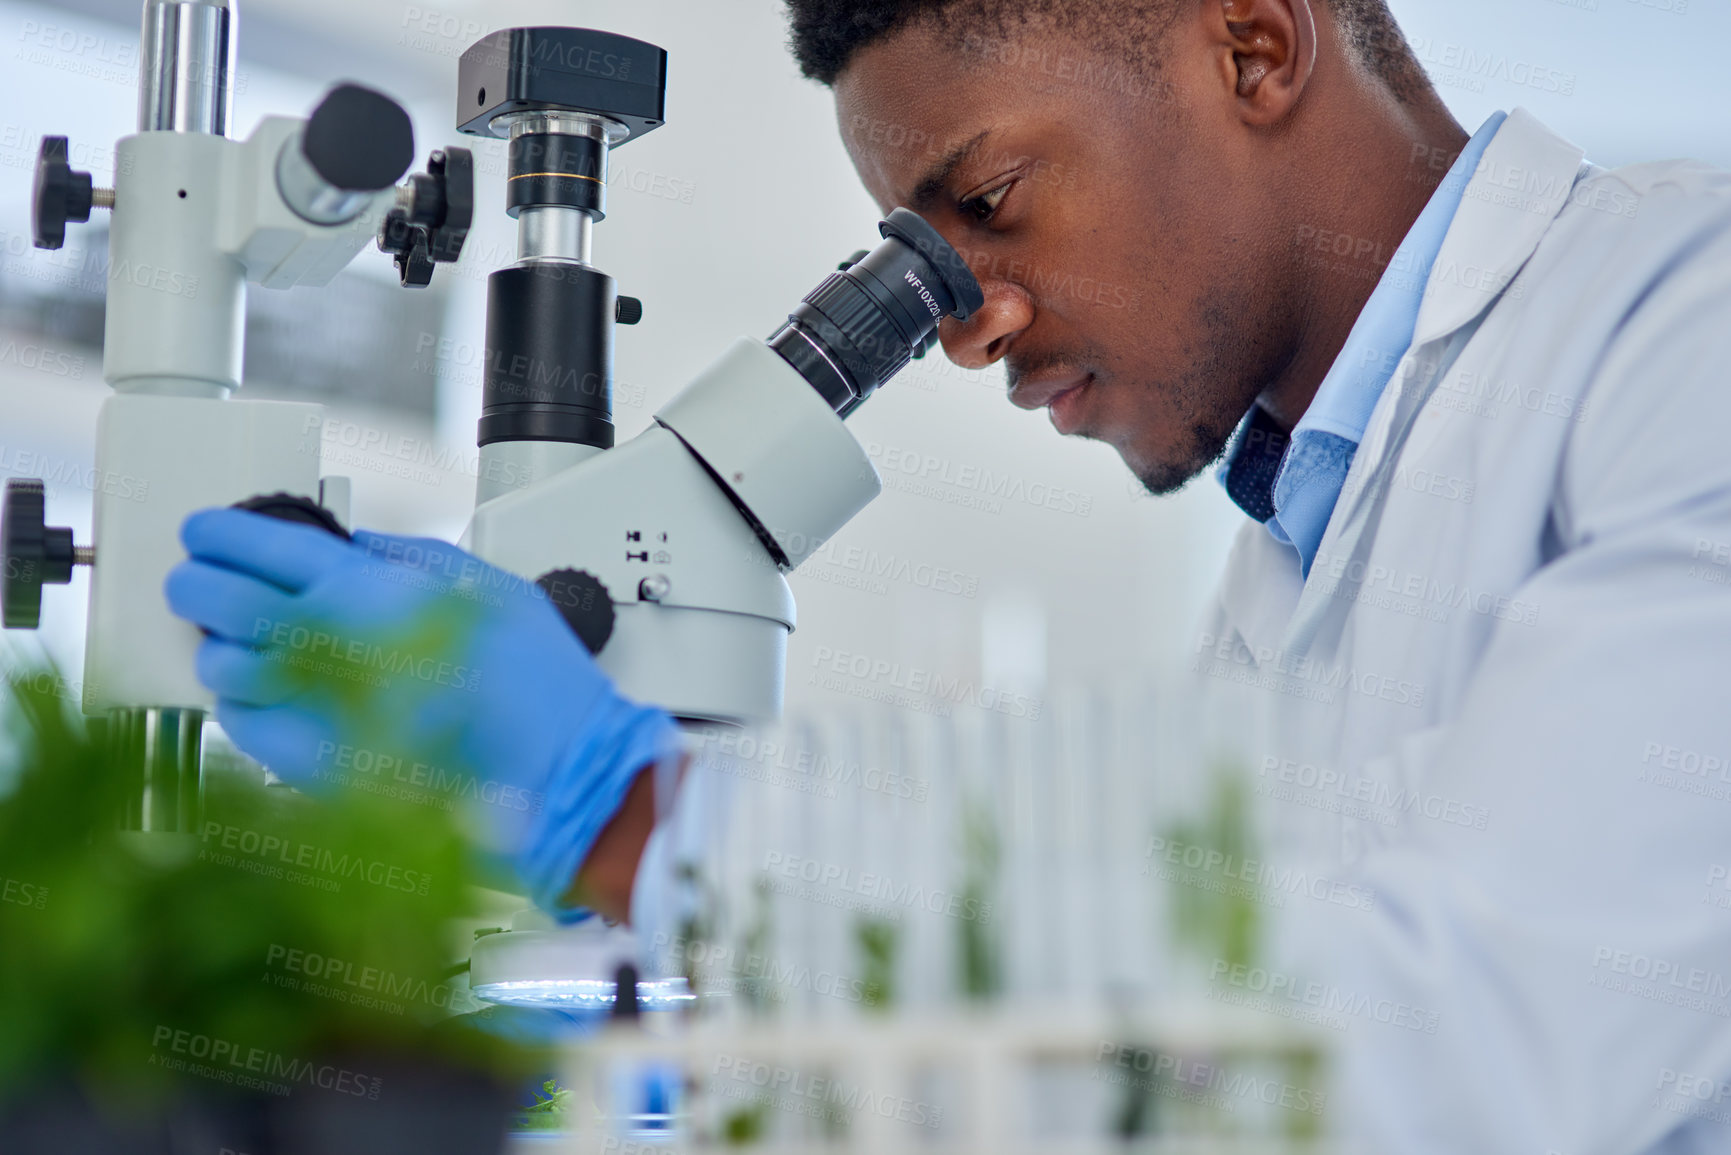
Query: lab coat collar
(1521,184)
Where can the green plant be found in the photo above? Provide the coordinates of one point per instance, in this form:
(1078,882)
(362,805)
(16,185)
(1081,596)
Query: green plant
(979,950)
(877,940)
(756,987)
(549,1110)
(1213,913)
(287,932)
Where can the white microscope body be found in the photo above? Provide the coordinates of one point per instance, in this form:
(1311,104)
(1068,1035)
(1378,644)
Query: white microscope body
(198,216)
(703,609)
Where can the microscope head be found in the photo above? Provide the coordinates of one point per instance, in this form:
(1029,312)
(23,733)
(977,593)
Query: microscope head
(561,70)
(563,97)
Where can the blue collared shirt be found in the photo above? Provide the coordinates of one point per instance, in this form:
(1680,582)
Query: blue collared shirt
(1291,483)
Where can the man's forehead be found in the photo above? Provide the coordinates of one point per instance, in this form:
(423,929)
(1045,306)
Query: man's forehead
(909,113)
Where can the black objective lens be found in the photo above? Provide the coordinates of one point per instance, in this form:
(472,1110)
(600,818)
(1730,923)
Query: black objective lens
(861,326)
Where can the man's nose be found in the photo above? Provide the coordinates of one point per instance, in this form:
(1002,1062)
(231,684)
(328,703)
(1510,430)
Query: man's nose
(985,337)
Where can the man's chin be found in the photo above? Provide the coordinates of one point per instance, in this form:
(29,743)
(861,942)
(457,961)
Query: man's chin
(1162,478)
(1163,481)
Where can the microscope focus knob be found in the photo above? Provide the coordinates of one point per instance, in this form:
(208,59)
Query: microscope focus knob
(359,140)
(61,194)
(36,553)
(431,220)
(583,601)
(627,310)
(293,507)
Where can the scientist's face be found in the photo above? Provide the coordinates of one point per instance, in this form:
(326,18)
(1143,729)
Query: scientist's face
(1123,226)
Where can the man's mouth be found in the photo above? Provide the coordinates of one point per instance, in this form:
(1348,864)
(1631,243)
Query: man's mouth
(1066,408)
(1060,393)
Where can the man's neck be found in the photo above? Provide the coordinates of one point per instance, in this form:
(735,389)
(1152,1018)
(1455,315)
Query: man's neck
(1385,173)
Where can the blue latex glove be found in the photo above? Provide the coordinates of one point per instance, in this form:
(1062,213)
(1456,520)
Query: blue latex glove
(407,667)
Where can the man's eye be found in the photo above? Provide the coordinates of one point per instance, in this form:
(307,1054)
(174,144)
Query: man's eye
(983,206)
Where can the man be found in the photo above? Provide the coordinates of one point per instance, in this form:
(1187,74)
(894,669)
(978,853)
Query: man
(1470,392)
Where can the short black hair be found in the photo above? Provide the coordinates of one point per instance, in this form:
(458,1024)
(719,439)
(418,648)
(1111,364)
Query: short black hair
(825,35)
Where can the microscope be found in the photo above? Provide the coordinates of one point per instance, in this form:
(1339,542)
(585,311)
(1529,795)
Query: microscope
(195,218)
(666,554)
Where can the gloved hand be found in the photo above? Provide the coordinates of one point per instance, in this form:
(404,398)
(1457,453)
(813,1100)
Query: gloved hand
(407,666)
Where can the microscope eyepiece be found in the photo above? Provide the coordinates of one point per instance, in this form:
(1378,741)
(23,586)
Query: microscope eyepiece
(862,325)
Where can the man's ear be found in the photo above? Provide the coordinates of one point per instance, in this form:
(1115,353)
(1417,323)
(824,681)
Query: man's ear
(1268,51)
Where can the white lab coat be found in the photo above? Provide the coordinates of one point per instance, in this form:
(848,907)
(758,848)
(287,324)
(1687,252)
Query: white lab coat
(1516,733)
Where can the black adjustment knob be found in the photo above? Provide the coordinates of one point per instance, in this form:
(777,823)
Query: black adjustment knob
(295,508)
(432,219)
(61,194)
(453,170)
(415,264)
(35,553)
(583,602)
(359,140)
(628,310)
(626,1008)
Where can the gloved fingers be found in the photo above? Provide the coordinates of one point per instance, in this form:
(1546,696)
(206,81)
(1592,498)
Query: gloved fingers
(245,675)
(287,555)
(295,746)
(225,602)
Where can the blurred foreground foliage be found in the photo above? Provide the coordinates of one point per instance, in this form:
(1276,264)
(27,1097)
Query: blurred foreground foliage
(120,952)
